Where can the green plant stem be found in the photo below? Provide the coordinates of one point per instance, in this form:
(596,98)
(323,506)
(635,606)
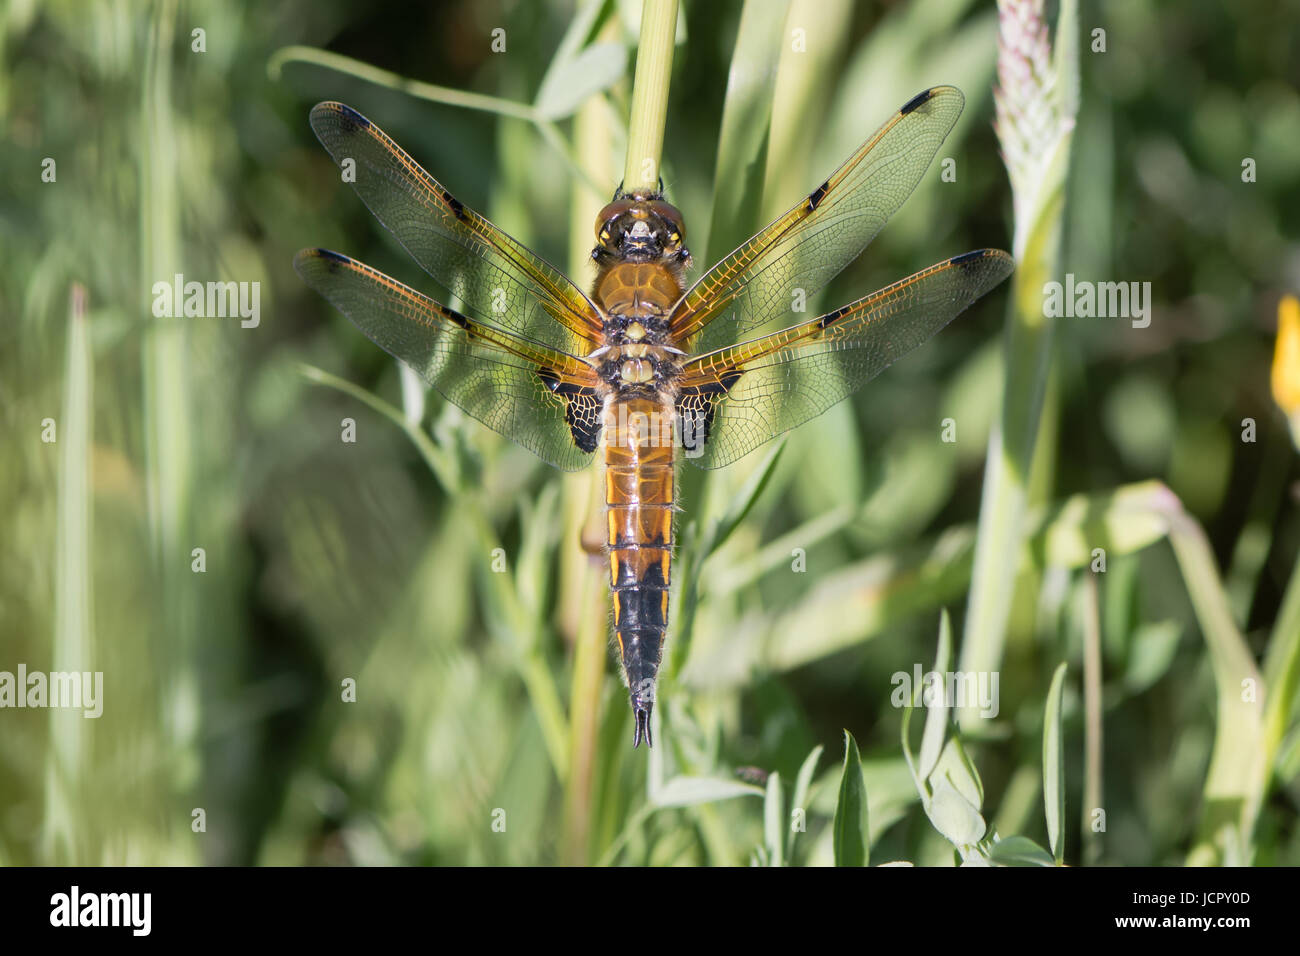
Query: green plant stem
(654,67)
(583,601)
(430,92)
(1235,781)
(1039,192)
(1004,503)
(584,725)
(395,81)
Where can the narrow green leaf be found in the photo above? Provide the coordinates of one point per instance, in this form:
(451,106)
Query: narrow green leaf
(851,833)
(905,733)
(744,500)
(687,791)
(936,718)
(746,116)
(774,822)
(799,800)
(1054,766)
(1065,55)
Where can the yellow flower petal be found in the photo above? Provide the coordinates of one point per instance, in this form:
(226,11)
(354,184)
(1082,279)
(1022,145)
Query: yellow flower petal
(1286,356)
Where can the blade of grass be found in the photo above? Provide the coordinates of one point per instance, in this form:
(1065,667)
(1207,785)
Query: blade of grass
(746,115)
(851,829)
(168,412)
(1054,766)
(773,822)
(936,718)
(799,799)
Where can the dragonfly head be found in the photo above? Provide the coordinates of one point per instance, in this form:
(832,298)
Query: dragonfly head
(641,228)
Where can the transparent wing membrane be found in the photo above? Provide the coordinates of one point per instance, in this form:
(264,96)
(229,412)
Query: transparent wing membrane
(739,397)
(534,395)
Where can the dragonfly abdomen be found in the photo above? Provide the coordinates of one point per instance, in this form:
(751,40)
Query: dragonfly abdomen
(639,504)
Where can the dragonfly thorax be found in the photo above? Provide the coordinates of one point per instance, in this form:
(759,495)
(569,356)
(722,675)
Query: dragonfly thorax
(638,367)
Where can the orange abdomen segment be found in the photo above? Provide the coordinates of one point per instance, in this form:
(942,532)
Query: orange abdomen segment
(639,500)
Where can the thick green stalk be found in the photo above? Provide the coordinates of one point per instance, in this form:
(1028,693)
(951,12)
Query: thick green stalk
(1033,85)
(654,67)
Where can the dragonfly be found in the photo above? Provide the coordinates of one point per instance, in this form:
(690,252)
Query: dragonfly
(645,371)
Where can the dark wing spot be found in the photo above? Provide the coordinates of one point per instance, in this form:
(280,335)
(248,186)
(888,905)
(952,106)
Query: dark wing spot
(966,258)
(581,409)
(832,317)
(351,116)
(455,205)
(916,101)
(335,259)
(818,194)
(454,316)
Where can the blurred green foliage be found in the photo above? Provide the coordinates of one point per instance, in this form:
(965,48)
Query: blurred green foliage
(328,560)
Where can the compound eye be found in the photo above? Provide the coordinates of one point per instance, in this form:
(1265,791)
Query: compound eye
(607,215)
(672,216)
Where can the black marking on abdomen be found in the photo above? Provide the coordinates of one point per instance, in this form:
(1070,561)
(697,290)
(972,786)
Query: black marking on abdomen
(641,606)
(654,577)
(916,101)
(642,651)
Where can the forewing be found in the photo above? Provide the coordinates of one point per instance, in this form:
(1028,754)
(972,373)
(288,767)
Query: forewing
(500,280)
(539,397)
(811,243)
(733,400)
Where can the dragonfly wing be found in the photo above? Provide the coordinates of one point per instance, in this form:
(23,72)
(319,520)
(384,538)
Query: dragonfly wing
(802,250)
(500,280)
(733,400)
(537,396)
